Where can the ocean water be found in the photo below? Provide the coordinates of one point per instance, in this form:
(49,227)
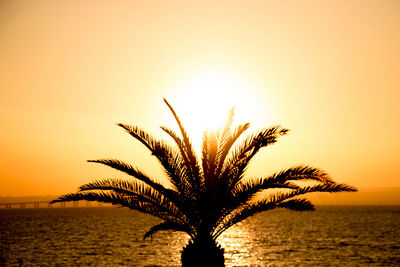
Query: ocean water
(329,236)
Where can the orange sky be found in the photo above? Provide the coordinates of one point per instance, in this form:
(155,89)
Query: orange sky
(70,70)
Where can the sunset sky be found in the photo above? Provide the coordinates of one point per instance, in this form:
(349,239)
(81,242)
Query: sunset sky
(70,70)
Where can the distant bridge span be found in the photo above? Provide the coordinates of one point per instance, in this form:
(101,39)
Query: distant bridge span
(46,204)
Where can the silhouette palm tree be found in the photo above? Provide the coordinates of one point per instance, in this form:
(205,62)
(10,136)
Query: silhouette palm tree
(205,197)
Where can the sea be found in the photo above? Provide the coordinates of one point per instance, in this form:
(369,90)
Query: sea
(106,236)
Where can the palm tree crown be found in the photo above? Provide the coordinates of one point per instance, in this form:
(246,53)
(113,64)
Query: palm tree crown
(207,195)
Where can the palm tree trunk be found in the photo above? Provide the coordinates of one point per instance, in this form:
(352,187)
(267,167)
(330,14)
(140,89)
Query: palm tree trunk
(206,252)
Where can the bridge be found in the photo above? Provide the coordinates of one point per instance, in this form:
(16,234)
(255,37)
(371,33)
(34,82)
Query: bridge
(47,204)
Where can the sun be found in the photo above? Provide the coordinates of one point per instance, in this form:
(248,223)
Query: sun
(204,98)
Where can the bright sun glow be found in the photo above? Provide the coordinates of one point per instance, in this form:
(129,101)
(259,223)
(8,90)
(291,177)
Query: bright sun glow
(204,98)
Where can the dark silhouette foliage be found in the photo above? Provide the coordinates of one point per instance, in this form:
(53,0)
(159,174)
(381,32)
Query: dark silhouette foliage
(206,196)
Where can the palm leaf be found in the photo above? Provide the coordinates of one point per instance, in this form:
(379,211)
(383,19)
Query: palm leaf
(274,201)
(243,191)
(235,167)
(191,182)
(132,171)
(228,124)
(247,190)
(142,192)
(205,156)
(227,143)
(163,152)
(128,169)
(168,226)
(188,145)
(301,172)
(297,205)
(133,202)
(212,150)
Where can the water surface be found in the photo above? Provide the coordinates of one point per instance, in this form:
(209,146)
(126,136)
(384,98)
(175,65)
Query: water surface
(331,235)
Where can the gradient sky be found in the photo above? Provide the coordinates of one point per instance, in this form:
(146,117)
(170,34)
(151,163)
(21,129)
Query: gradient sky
(70,70)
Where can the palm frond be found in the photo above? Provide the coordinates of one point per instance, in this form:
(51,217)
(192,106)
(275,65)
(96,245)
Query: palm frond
(235,167)
(138,134)
(245,211)
(205,155)
(126,168)
(162,151)
(243,191)
(227,143)
(136,202)
(228,124)
(189,148)
(260,139)
(171,204)
(132,171)
(328,187)
(212,150)
(105,197)
(120,186)
(279,197)
(302,173)
(168,226)
(275,200)
(301,204)
(192,182)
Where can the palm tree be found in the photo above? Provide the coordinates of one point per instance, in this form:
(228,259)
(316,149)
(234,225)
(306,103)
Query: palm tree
(205,197)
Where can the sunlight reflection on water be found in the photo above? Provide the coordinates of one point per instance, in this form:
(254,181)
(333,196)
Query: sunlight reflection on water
(237,243)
